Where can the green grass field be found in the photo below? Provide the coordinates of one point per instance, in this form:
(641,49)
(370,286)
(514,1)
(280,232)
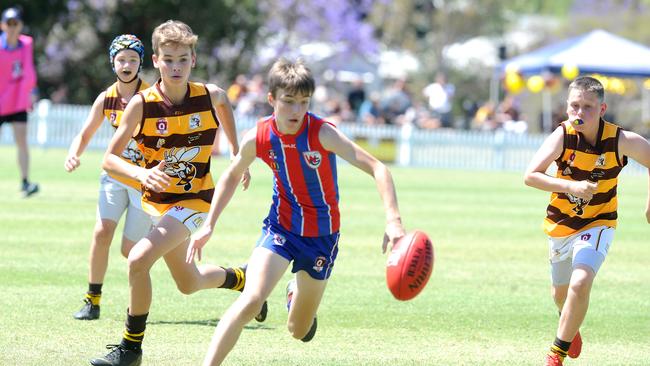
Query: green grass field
(487,302)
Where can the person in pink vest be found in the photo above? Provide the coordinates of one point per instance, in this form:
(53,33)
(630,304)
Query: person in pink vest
(17,87)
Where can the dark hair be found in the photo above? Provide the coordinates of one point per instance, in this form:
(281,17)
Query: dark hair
(589,84)
(294,77)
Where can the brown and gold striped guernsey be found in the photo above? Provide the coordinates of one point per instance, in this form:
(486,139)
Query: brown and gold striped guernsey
(567,214)
(182,135)
(114,106)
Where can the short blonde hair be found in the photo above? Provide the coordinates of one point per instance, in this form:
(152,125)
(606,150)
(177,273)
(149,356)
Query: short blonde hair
(173,32)
(294,77)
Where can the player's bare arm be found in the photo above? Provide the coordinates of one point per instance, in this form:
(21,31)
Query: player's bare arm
(153,178)
(333,140)
(223,111)
(636,147)
(223,192)
(81,141)
(536,176)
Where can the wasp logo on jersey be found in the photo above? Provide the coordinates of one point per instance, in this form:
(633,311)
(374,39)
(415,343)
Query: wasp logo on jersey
(579,203)
(132,153)
(312,158)
(177,164)
(161,126)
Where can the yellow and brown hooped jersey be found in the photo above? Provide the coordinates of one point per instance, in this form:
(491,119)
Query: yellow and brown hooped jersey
(182,136)
(567,214)
(114,106)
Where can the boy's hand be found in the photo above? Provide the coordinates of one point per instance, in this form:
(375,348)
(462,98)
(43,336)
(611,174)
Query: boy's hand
(584,189)
(199,240)
(155,178)
(71,163)
(394,232)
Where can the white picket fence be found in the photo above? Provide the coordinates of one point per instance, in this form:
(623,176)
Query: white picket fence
(55,125)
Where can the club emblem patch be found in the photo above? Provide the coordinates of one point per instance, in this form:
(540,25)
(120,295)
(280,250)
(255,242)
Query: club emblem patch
(312,158)
(161,126)
(319,263)
(113,119)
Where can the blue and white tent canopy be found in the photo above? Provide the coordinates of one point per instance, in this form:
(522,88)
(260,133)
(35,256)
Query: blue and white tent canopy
(597,52)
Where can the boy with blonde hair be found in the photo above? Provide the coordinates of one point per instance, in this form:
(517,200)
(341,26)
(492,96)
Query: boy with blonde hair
(174,123)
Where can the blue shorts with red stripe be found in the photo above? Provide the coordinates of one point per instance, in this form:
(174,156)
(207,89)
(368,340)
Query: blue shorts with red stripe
(315,255)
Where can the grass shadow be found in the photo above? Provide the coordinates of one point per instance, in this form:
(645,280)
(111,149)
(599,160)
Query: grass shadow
(208,323)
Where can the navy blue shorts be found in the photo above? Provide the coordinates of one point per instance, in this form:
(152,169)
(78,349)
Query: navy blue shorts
(20,117)
(315,255)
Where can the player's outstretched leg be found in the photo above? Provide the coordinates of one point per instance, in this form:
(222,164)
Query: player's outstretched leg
(265,309)
(291,286)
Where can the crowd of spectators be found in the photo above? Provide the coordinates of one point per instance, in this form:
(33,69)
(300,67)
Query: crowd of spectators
(394,104)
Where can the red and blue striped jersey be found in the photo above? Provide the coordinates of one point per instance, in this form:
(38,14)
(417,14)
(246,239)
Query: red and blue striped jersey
(305,188)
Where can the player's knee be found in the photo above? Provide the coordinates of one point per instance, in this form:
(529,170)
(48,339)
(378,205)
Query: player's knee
(137,264)
(251,306)
(103,234)
(581,286)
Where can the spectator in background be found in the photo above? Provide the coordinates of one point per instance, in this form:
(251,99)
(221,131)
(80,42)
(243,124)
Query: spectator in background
(237,90)
(509,117)
(356,96)
(370,111)
(440,95)
(17,87)
(395,103)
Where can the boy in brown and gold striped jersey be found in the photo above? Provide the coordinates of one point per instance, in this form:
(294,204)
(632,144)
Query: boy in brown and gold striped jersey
(117,194)
(174,123)
(581,216)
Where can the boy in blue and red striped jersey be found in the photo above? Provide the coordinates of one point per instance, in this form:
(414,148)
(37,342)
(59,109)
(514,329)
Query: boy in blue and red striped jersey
(303,223)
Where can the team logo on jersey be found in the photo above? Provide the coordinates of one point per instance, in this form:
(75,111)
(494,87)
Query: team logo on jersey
(273,160)
(319,263)
(177,164)
(195,121)
(113,118)
(279,239)
(585,237)
(312,158)
(600,162)
(132,153)
(161,126)
(579,203)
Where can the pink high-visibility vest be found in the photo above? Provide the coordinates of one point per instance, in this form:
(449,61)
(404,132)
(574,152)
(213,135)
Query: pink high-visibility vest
(17,76)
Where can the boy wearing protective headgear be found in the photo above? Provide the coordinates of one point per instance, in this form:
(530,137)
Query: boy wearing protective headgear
(117,194)
(175,122)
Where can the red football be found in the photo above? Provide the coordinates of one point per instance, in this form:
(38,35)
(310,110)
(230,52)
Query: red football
(409,265)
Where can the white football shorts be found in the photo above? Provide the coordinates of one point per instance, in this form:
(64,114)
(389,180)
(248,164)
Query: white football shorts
(114,199)
(588,247)
(190,218)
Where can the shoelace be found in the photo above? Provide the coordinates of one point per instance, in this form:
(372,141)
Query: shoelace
(116,350)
